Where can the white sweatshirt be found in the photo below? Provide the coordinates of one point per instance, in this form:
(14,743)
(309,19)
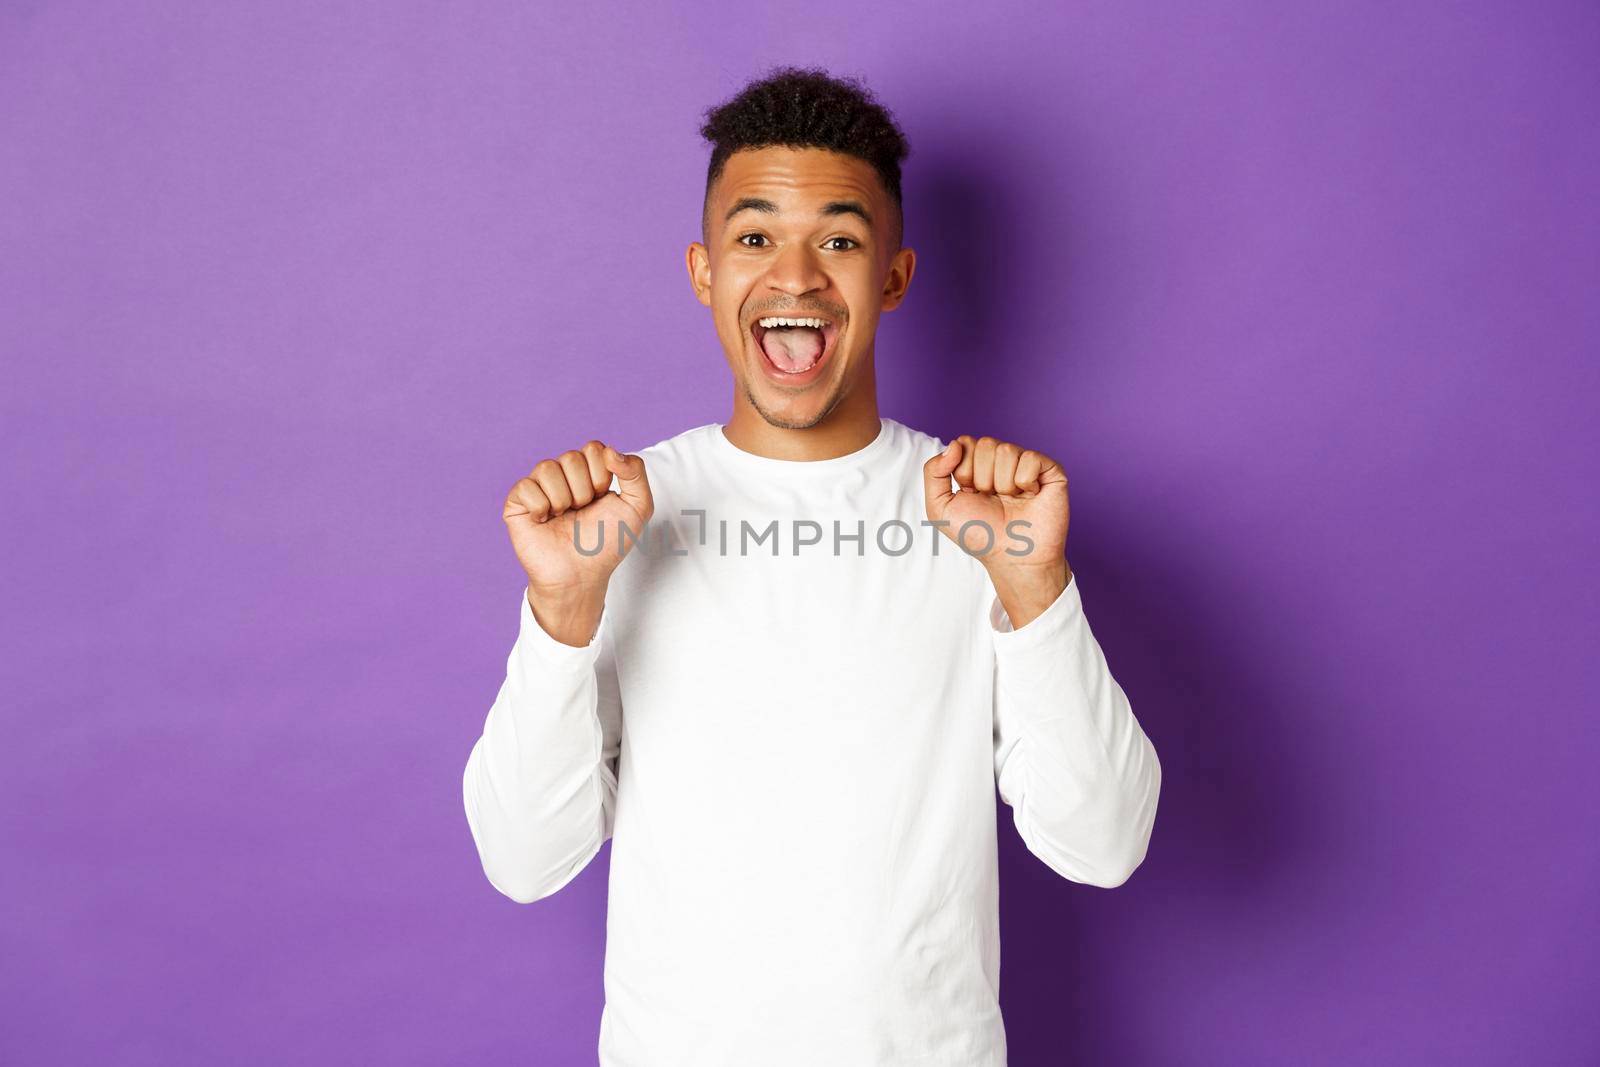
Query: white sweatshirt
(795,753)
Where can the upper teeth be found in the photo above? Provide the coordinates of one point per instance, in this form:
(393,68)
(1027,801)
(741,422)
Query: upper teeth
(769,323)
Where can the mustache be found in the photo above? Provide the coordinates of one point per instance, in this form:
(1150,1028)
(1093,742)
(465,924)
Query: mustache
(821,310)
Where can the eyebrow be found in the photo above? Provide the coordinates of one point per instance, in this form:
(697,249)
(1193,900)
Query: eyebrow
(767,207)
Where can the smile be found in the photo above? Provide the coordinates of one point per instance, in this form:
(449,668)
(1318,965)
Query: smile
(794,348)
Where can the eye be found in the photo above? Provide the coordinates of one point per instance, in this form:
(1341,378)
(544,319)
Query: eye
(741,239)
(853,243)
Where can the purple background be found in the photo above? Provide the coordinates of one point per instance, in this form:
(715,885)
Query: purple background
(1304,300)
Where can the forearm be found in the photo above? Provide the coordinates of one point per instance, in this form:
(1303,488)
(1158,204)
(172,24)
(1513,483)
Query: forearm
(536,786)
(1082,777)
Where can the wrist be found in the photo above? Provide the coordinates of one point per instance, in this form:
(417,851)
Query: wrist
(1026,591)
(570,614)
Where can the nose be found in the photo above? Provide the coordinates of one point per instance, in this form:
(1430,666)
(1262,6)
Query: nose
(796,270)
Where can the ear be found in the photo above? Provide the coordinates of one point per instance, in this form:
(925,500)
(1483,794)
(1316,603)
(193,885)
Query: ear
(901,267)
(698,260)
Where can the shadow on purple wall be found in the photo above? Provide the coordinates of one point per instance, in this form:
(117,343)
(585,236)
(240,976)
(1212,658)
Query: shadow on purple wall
(1232,821)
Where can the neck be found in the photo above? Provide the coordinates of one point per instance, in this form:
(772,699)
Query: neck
(852,425)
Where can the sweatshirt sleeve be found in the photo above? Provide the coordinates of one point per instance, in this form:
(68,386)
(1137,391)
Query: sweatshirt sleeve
(541,782)
(1081,777)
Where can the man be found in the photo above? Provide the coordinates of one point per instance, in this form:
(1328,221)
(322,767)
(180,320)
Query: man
(785,663)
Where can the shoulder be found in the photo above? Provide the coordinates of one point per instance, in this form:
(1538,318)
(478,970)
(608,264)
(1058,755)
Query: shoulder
(912,443)
(680,447)
(675,458)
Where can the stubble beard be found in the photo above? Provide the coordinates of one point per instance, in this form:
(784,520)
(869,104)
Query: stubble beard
(788,424)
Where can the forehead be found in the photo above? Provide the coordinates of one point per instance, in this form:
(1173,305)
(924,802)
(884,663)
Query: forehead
(798,179)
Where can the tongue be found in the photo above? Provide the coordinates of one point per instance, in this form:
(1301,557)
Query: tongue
(792,348)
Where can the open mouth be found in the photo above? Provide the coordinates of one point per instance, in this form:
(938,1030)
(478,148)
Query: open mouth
(794,346)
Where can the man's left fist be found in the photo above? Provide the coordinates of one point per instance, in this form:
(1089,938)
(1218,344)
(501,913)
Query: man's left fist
(1020,495)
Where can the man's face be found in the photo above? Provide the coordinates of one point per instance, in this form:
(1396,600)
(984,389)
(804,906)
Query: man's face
(798,233)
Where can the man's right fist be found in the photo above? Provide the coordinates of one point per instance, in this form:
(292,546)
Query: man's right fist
(543,510)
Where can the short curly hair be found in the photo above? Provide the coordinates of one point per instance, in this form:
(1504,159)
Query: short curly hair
(806,107)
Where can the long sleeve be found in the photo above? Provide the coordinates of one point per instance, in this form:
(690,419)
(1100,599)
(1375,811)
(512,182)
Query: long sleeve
(540,785)
(1070,759)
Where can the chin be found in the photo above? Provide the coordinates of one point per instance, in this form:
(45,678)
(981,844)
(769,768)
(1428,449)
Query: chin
(790,416)
(791,412)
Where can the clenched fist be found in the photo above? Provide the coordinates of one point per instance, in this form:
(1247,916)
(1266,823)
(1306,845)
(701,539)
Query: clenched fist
(1000,483)
(543,514)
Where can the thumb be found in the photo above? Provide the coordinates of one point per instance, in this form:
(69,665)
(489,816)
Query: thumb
(936,478)
(632,485)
